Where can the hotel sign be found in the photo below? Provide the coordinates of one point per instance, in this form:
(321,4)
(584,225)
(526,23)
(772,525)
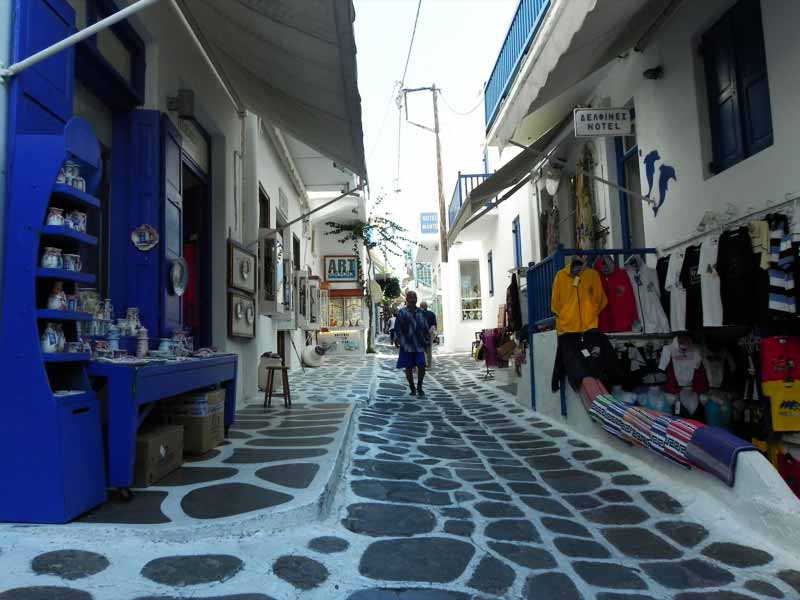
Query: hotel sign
(603,122)
(429,222)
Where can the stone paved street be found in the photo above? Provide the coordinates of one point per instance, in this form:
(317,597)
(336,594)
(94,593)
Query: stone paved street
(462,495)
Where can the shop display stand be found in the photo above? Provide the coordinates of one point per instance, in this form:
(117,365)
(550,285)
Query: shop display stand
(51,445)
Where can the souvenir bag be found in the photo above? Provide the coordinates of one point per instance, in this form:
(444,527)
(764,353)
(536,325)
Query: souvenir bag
(506,349)
(780,358)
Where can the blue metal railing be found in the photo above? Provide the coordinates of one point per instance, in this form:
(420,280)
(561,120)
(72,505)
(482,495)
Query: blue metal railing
(464,185)
(539,279)
(520,34)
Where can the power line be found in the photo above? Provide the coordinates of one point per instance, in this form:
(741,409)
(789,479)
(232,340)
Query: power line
(463,113)
(410,45)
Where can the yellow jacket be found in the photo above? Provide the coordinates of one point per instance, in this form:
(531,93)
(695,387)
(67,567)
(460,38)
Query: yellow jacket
(577,301)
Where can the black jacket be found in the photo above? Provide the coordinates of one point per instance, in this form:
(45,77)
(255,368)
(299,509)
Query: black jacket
(581,355)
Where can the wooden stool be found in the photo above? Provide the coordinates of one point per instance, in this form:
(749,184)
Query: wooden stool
(287,395)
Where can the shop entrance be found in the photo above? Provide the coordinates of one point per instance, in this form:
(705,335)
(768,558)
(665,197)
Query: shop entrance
(197,313)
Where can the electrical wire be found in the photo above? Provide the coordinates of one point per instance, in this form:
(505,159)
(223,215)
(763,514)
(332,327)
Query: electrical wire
(462,113)
(410,45)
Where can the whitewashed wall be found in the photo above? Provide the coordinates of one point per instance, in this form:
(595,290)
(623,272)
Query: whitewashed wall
(672,117)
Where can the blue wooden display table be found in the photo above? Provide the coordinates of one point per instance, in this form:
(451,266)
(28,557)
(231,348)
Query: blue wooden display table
(131,388)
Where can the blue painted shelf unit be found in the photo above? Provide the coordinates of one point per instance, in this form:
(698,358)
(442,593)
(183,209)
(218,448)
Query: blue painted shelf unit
(51,439)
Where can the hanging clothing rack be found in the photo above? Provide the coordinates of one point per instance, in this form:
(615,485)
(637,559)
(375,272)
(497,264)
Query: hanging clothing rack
(790,199)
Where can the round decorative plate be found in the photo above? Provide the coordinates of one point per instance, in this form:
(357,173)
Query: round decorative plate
(179,276)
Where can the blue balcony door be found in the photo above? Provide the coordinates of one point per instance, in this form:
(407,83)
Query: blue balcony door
(630,209)
(516,232)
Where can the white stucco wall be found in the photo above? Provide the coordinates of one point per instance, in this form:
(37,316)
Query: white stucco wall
(672,117)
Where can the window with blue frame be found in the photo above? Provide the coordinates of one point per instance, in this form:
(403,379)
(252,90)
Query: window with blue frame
(517,234)
(490,260)
(111,63)
(737,85)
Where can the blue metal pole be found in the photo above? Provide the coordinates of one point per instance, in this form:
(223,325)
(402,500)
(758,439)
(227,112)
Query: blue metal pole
(531,320)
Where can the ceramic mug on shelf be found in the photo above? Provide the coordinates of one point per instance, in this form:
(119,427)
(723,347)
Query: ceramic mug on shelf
(72,262)
(79,183)
(55,216)
(77,220)
(72,303)
(74,347)
(49,339)
(62,176)
(52,259)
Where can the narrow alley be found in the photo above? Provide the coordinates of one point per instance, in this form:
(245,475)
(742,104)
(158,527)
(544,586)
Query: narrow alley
(461,495)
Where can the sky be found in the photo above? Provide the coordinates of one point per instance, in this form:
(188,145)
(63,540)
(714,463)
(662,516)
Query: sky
(456,44)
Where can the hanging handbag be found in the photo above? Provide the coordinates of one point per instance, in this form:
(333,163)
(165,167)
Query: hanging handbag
(506,350)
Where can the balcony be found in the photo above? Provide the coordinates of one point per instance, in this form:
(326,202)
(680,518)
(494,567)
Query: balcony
(521,32)
(464,185)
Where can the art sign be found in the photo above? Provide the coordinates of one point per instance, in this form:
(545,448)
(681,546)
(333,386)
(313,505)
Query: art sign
(341,268)
(429,222)
(602,122)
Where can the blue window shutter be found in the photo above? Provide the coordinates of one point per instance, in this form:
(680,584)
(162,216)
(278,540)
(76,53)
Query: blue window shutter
(751,65)
(172,231)
(723,101)
(42,94)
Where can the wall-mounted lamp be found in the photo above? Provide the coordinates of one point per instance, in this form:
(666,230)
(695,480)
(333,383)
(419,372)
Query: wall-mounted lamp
(183,104)
(552,179)
(654,73)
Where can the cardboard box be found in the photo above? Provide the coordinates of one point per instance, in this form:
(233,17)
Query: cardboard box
(159,451)
(200,434)
(197,404)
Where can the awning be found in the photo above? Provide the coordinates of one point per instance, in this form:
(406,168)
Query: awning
(578,38)
(293,63)
(518,167)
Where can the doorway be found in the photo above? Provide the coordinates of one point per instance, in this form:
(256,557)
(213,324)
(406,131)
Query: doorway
(197,313)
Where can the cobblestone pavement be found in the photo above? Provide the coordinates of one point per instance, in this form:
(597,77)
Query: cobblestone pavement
(462,495)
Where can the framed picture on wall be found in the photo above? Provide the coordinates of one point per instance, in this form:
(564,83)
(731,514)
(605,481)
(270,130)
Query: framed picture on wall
(241,315)
(241,268)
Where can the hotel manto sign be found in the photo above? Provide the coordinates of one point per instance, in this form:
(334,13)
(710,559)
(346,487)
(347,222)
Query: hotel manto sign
(341,268)
(603,122)
(429,222)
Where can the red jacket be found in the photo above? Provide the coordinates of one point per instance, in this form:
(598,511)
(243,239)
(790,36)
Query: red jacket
(621,313)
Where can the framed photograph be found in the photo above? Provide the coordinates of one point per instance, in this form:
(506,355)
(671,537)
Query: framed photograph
(241,315)
(341,268)
(241,268)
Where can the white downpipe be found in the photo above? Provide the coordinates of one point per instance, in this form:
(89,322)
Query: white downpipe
(126,12)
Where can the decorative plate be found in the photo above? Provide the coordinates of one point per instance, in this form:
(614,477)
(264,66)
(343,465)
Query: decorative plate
(179,276)
(144,237)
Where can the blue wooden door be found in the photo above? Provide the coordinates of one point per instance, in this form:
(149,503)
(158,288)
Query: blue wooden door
(172,229)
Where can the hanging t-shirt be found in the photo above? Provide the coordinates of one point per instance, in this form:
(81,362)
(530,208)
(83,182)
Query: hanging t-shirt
(620,313)
(781,267)
(644,282)
(690,280)
(677,294)
(715,362)
(759,238)
(709,282)
(685,359)
(662,266)
(736,265)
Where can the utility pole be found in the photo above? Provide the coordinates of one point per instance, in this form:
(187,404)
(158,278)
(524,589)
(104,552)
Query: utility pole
(442,209)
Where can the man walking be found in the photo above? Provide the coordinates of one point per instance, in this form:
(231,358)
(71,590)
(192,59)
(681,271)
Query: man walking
(412,337)
(392,321)
(430,317)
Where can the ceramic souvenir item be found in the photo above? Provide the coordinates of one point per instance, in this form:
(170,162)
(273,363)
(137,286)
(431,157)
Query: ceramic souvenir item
(77,220)
(108,310)
(142,346)
(49,339)
(62,176)
(72,303)
(165,345)
(74,347)
(88,299)
(113,337)
(57,299)
(62,339)
(55,216)
(133,319)
(79,183)
(72,262)
(52,259)
(72,169)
